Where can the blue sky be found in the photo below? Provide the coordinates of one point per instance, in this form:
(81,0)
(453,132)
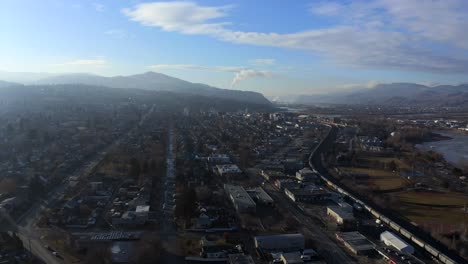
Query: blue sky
(275,47)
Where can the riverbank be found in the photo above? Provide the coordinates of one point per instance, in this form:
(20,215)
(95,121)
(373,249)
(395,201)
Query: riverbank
(452,145)
(432,137)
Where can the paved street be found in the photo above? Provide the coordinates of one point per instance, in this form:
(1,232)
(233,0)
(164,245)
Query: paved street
(327,248)
(168,231)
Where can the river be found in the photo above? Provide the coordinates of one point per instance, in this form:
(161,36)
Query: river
(454,150)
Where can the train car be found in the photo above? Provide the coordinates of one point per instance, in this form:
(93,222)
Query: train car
(375,213)
(444,259)
(434,252)
(395,226)
(405,233)
(417,241)
(368,208)
(385,219)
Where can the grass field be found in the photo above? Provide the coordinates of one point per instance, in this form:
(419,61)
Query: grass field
(433,198)
(371,172)
(383,180)
(427,216)
(399,163)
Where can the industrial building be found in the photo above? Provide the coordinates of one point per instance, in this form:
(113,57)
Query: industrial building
(391,240)
(356,242)
(280,243)
(306,174)
(291,258)
(228,170)
(241,200)
(260,196)
(309,194)
(341,215)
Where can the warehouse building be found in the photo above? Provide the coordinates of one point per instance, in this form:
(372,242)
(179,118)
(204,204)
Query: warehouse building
(391,240)
(306,174)
(240,199)
(310,194)
(356,242)
(291,258)
(341,215)
(260,196)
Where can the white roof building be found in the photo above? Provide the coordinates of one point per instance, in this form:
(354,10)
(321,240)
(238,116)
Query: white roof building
(228,169)
(399,244)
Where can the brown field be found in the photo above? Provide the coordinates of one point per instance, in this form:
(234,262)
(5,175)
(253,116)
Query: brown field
(430,215)
(381,179)
(434,198)
(438,212)
(399,163)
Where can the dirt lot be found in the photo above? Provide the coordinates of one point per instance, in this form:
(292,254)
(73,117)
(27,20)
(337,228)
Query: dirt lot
(380,179)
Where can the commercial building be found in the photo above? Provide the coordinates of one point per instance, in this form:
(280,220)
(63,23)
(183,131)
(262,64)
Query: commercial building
(240,199)
(260,196)
(280,243)
(141,213)
(309,194)
(219,158)
(356,242)
(228,170)
(391,240)
(341,215)
(306,174)
(291,258)
(271,175)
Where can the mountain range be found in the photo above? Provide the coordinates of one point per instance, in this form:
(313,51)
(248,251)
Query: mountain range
(394,94)
(154,82)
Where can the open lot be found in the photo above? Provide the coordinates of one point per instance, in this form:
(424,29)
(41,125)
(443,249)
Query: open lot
(380,179)
(434,199)
(388,160)
(439,212)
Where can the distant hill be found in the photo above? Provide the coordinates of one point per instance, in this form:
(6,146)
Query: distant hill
(396,94)
(156,82)
(58,95)
(6,84)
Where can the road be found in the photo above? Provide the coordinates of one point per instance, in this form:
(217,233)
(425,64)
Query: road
(326,248)
(26,229)
(168,231)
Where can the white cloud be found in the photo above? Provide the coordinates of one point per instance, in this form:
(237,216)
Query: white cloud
(430,83)
(99,7)
(442,20)
(262,62)
(249,74)
(368,39)
(241,73)
(184,17)
(326,8)
(85,62)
